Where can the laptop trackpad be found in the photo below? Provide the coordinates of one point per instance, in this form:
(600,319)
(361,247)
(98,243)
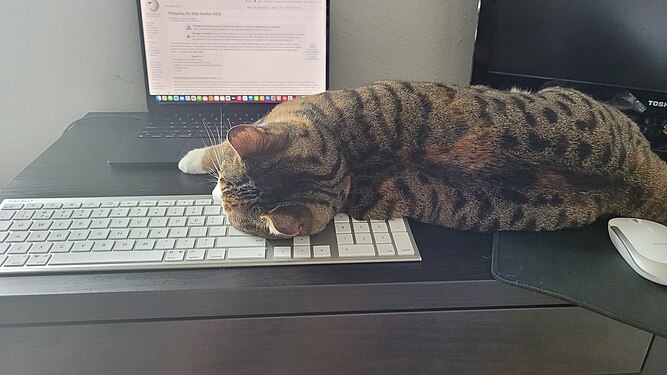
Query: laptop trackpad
(137,151)
(192,144)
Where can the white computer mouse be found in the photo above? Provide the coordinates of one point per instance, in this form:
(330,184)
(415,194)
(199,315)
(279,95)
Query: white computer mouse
(643,244)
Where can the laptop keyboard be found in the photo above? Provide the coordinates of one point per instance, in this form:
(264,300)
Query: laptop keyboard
(157,232)
(192,125)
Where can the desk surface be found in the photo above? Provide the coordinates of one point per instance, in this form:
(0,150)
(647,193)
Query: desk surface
(450,293)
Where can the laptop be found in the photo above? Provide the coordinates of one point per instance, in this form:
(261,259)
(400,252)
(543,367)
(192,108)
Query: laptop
(213,64)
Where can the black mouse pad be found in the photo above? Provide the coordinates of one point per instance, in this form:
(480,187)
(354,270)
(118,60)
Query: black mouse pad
(581,266)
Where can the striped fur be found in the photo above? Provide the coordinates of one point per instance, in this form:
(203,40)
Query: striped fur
(470,158)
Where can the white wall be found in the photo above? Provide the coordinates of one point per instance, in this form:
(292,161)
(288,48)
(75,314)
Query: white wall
(62,59)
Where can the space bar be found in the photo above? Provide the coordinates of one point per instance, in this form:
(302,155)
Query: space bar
(106,258)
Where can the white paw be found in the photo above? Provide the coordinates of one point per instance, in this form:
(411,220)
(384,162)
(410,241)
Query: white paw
(193,162)
(217,194)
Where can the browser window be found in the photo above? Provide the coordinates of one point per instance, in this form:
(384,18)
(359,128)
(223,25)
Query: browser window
(224,49)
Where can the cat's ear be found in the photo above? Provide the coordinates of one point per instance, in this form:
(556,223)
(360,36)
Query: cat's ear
(253,142)
(289,221)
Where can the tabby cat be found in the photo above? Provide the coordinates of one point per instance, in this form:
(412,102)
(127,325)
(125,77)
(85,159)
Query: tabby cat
(470,158)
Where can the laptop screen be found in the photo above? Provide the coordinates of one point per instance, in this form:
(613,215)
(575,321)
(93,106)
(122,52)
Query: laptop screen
(233,51)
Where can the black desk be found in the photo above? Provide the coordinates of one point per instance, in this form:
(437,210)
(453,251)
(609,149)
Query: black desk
(444,314)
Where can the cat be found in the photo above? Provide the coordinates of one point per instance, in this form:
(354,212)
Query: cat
(470,158)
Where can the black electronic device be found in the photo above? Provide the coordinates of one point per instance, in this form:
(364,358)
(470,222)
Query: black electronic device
(613,50)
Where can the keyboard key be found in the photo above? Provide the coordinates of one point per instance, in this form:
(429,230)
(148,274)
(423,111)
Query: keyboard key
(39,225)
(12,206)
(341,218)
(4,225)
(119,212)
(119,234)
(100,223)
(361,227)
(4,247)
(282,252)
(363,250)
(105,245)
(124,245)
(33,206)
(385,249)
(217,231)
(27,215)
(107,257)
(159,233)
(19,248)
(185,243)
(178,232)
(403,243)
(148,244)
(194,211)
(100,213)
(343,227)
(82,246)
(109,204)
(195,254)
(321,251)
(174,255)
(382,238)
(301,240)
(175,211)
(246,253)
(81,214)
(240,242)
(165,244)
(157,211)
(17,237)
(16,260)
(379,227)
(301,252)
(139,222)
(344,239)
(138,233)
(38,260)
(6,215)
(99,234)
(81,224)
(21,225)
(212,210)
(61,224)
(61,247)
(158,222)
(215,254)
(397,225)
(138,212)
(38,236)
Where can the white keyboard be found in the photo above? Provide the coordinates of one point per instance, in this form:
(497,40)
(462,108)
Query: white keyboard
(156,232)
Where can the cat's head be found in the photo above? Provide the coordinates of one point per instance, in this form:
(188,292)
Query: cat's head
(280,180)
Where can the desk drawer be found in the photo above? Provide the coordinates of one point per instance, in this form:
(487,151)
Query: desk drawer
(537,340)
